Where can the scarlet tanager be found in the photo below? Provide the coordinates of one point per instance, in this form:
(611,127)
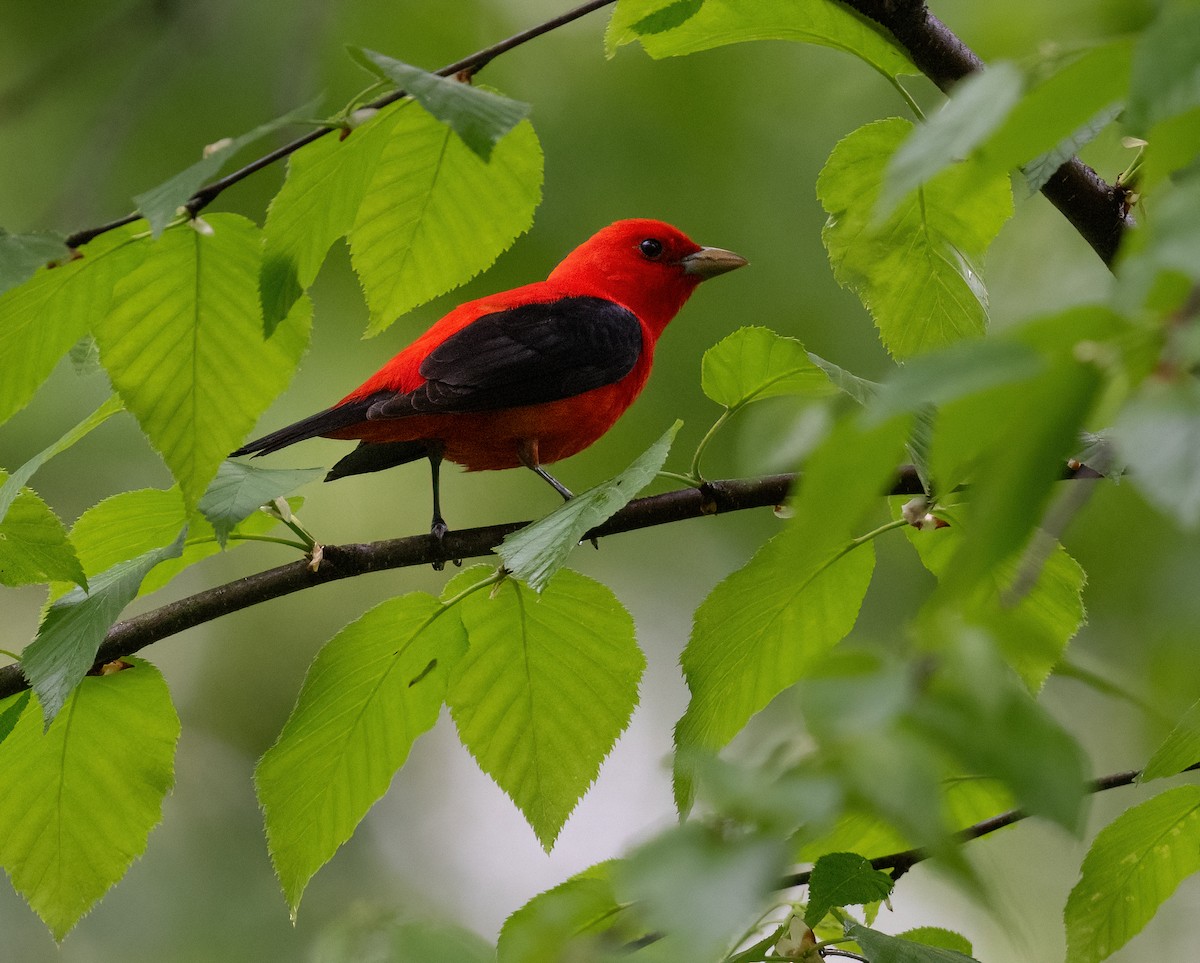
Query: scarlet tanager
(523,377)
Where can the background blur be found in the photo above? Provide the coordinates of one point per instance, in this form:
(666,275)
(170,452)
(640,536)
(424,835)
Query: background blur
(100,101)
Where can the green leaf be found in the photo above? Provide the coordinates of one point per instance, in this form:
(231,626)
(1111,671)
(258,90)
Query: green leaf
(184,346)
(34,546)
(771,622)
(480,117)
(699,889)
(547,685)
(755,363)
(881,948)
(41,319)
(669,28)
(936,936)
(371,933)
(371,691)
(74,626)
(81,799)
(1133,865)
(18,479)
(22,254)
(1158,432)
(1039,170)
(325,184)
(843,879)
(1165,79)
(10,711)
(563,921)
(160,205)
(915,271)
(537,551)
(435,214)
(977,106)
(239,490)
(1179,751)
(860,389)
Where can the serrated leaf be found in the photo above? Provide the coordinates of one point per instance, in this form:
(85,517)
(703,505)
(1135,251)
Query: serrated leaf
(1165,78)
(371,691)
(317,204)
(34,546)
(240,489)
(435,214)
(42,318)
(547,685)
(184,346)
(558,921)
(916,270)
(1039,170)
(22,254)
(698,889)
(75,625)
(19,478)
(881,948)
(1158,431)
(977,106)
(160,204)
(669,28)
(537,551)
(80,799)
(848,383)
(1133,865)
(480,117)
(843,879)
(766,625)
(1179,751)
(755,363)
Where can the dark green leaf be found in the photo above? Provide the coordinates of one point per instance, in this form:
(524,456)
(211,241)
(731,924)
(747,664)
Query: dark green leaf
(539,550)
(22,254)
(10,711)
(75,625)
(240,489)
(480,117)
(1039,170)
(881,948)
(669,17)
(843,879)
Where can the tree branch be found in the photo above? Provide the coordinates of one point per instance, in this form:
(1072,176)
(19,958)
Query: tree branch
(1095,209)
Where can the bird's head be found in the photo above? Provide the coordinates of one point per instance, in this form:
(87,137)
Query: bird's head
(648,266)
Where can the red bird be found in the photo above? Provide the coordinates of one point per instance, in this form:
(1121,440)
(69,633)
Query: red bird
(527,376)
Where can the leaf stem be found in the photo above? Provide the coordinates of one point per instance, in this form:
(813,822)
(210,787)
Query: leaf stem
(495,578)
(234,537)
(717,425)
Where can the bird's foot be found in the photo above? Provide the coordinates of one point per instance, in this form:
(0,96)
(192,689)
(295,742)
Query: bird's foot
(438,531)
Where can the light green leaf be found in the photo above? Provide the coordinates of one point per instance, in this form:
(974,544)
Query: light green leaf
(668,28)
(75,625)
(184,346)
(563,920)
(1179,751)
(1133,865)
(480,117)
(537,551)
(160,204)
(34,546)
(881,948)
(42,318)
(371,691)
(22,254)
(435,214)
(317,204)
(1165,80)
(936,936)
(698,888)
(19,478)
(1158,432)
(80,799)
(772,621)
(977,106)
(755,363)
(916,271)
(843,879)
(239,490)
(546,687)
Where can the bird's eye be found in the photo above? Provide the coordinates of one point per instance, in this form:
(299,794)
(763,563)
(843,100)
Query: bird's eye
(651,248)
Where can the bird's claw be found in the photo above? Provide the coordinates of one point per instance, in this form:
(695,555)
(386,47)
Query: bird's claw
(438,530)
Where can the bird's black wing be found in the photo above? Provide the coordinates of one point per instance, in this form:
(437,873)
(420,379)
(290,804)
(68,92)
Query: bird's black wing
(525,355)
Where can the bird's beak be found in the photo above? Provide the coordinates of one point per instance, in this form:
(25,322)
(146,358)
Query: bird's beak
(708,262)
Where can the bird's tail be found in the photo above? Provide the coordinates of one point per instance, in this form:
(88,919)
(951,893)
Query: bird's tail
(322,423)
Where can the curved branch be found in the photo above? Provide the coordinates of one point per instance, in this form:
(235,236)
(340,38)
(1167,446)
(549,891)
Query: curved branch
(1095,209)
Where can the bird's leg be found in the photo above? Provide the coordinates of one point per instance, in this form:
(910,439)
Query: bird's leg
(437,527)
(528,453)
